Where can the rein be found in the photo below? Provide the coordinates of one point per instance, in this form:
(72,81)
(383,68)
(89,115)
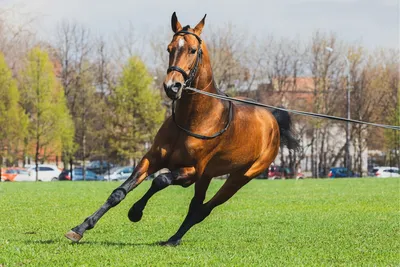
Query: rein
(188,82)
(297,112)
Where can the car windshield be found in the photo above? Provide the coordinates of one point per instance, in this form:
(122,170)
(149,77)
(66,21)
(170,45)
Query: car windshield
(115,169)
(90,173)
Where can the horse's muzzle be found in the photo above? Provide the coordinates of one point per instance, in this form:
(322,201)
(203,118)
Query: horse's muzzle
(174,91)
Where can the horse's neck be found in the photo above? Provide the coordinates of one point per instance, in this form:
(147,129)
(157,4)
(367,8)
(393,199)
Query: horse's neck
(195,108)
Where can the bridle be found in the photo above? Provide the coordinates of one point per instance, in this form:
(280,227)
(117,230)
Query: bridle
(188,82)
(189,78)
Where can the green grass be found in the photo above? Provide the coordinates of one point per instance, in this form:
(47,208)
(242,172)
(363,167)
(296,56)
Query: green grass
(267,223)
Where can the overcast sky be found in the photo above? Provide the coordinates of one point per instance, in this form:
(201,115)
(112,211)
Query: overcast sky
(373,23)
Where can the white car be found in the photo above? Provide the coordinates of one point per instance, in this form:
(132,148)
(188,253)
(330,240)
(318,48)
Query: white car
(46,173)
(384,172)
(118,173)
(23,176)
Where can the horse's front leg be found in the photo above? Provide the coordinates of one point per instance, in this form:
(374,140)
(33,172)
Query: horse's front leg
(183,177)
(145,168)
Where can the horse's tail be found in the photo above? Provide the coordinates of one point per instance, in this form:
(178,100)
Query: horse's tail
(285,127)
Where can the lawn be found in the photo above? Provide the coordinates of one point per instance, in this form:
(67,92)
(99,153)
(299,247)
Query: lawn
(267,223)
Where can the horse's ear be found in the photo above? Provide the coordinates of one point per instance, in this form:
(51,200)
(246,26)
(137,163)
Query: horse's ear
(176,26)
(200,25)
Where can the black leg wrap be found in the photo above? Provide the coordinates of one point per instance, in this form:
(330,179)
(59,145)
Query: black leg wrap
(162,181)
(116,196)
(90,221)
(159,183)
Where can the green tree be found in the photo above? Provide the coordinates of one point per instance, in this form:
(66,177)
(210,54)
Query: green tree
(89,110)
(137,111)
(13,121)
(50,125)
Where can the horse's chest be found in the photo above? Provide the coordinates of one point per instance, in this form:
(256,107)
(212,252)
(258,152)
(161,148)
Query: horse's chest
(189,152)
(194,148)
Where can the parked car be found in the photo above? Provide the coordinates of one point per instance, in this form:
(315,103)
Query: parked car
(9,174)
(99,167)
(384,172)
(276,172)
(77,175)
(46,172)
(23,176)
(118,173)
(339,172)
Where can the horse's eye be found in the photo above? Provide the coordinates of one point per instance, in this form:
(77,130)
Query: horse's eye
(193,50)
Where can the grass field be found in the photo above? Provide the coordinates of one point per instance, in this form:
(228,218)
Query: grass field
(268,223)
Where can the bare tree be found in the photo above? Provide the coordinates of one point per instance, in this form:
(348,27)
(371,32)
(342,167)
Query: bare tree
(84,83)
(278,67)
(327,73)
(16,39)
(229,54)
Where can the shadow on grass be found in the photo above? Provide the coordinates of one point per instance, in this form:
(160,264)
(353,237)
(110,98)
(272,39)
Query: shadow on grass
(40,241)
(112,243)
(83,243)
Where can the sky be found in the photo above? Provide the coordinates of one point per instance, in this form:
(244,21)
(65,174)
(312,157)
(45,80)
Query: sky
(372,23)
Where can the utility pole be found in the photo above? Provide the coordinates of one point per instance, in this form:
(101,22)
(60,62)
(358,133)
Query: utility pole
(348,89)
(348,86)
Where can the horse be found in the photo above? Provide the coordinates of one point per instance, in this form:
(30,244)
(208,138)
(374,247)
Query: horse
(203,138)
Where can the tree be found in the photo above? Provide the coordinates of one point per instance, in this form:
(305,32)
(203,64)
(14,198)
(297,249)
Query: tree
(392,137)
(13,121)
(383,87)
(137,111)
(16,36)
(89,119)
(279,64)
(327,72)
(229,53)
(50,125)
(86,80)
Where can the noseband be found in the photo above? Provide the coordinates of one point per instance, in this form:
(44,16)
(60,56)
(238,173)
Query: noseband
(189,77)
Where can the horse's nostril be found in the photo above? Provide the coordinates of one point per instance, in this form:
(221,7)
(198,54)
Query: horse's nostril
(176,87)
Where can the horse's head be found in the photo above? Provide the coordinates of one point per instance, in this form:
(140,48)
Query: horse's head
(185,53)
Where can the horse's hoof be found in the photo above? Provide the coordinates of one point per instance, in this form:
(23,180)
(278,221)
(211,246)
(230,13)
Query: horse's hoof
(135,215)
(74,237)
(170,243)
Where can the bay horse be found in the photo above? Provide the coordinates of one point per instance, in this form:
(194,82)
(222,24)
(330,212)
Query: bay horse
(205,137)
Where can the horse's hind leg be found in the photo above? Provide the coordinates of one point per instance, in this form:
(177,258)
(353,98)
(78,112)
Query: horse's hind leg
(183,177)
(199,211)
